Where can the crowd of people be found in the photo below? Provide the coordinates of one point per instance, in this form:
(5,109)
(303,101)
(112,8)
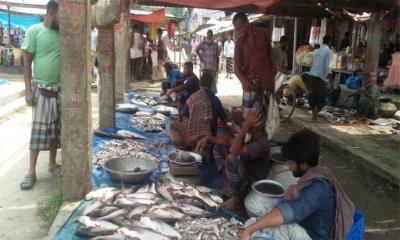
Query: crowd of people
(317,206)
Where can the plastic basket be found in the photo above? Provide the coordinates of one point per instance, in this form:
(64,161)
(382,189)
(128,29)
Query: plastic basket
(357,230)
(353,82)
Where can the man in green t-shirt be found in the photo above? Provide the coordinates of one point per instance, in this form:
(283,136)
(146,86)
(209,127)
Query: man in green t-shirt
(42,49)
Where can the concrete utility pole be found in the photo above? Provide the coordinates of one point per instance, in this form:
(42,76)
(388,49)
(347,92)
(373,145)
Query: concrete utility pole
(76,117)
(121,30)
(374,36)
(106,56)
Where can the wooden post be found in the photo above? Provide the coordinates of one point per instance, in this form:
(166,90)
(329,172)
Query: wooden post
(127,43)
(374,42)
(105,51)
(121,53)
(76,117)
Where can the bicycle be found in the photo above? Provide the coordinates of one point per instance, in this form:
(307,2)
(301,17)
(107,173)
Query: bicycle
(285,97)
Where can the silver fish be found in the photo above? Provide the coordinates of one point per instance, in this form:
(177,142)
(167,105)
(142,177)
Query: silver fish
(136,211)
(166,214)
(206,199)
(102,211)
(130,134)
(193,210)
(149,195)
(92,232)
(114,214)
(160,227)
(127,223)
(110,237)
(98,193)
(203,189)
(91,208)
(146,201)
(89,222)
(162,191)
(143,234)
(216,198)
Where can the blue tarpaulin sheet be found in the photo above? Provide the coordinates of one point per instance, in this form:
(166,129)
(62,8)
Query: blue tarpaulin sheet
(21,21)
(100,177)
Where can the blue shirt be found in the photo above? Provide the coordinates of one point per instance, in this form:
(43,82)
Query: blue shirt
(193,84)
(314,209)
(173,76)
(322,59)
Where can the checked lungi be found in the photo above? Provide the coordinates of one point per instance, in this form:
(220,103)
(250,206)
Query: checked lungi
(46,120)
(229,64)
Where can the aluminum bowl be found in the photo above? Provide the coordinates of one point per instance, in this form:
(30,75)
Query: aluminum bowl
(126,169)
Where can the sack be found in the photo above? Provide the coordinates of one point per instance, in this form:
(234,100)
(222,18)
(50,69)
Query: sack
(48,93)
(105,12)
(272,122)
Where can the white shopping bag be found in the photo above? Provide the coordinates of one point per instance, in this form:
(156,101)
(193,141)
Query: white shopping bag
(272,122)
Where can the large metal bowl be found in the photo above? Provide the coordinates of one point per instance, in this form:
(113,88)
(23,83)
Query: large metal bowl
(130,170)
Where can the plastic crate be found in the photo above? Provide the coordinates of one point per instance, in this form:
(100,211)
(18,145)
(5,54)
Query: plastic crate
(357,230)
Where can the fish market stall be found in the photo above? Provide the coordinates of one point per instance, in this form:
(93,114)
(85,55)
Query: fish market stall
(155,207)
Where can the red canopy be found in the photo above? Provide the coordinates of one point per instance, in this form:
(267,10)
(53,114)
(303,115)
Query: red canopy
(220,4)
(155,17)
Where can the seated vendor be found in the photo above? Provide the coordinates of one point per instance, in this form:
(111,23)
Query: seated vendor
(316,207)
(202,112)
(366,100)
(173,74)
(239,162)
(190,85)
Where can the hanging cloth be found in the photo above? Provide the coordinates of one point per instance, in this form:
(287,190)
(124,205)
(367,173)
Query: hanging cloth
(322,31)
(314,34)
(153,30)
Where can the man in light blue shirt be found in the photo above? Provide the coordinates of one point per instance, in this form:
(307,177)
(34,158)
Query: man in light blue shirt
(318,77)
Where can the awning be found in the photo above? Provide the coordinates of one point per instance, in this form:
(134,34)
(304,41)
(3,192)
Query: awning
(228,5)
(155,17)
(21,21)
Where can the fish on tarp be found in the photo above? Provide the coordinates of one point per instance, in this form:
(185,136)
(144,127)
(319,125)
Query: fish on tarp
(126,223)
(166,214)
(149,195)
(193,211)
(90,222)
(130,134)
(110,237)
(114,214)
(143,234)
(160,227)
(89,232)
(137,211)
(163,192)
(100,212)
(99,193)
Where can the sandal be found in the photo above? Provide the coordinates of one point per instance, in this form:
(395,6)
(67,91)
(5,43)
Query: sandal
(28,182)
(55,170)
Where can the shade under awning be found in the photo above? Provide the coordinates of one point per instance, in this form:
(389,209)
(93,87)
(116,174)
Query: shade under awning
(155,17)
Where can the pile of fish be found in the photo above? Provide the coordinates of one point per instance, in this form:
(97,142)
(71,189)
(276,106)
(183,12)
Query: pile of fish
(166,110)
(150,212)
(206,228)
(144,100)
(149,122)
(340,116)
(122,148)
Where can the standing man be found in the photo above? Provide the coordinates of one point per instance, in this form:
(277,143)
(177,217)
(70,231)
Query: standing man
(318,77)
(42,48)
(208,52)
(136,52)
(254,64)
(280,55)
(161,49)
(229,48)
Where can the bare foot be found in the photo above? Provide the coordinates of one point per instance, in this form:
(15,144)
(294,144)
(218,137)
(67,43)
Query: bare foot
(232,203)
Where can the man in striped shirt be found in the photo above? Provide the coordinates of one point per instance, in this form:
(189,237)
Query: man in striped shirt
(208,52)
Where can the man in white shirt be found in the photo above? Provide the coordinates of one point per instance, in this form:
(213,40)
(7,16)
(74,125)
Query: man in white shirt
(229,49)
(136,52)
(318,77)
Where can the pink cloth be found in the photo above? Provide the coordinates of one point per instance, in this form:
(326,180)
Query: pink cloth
(394,72)
(344,206)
